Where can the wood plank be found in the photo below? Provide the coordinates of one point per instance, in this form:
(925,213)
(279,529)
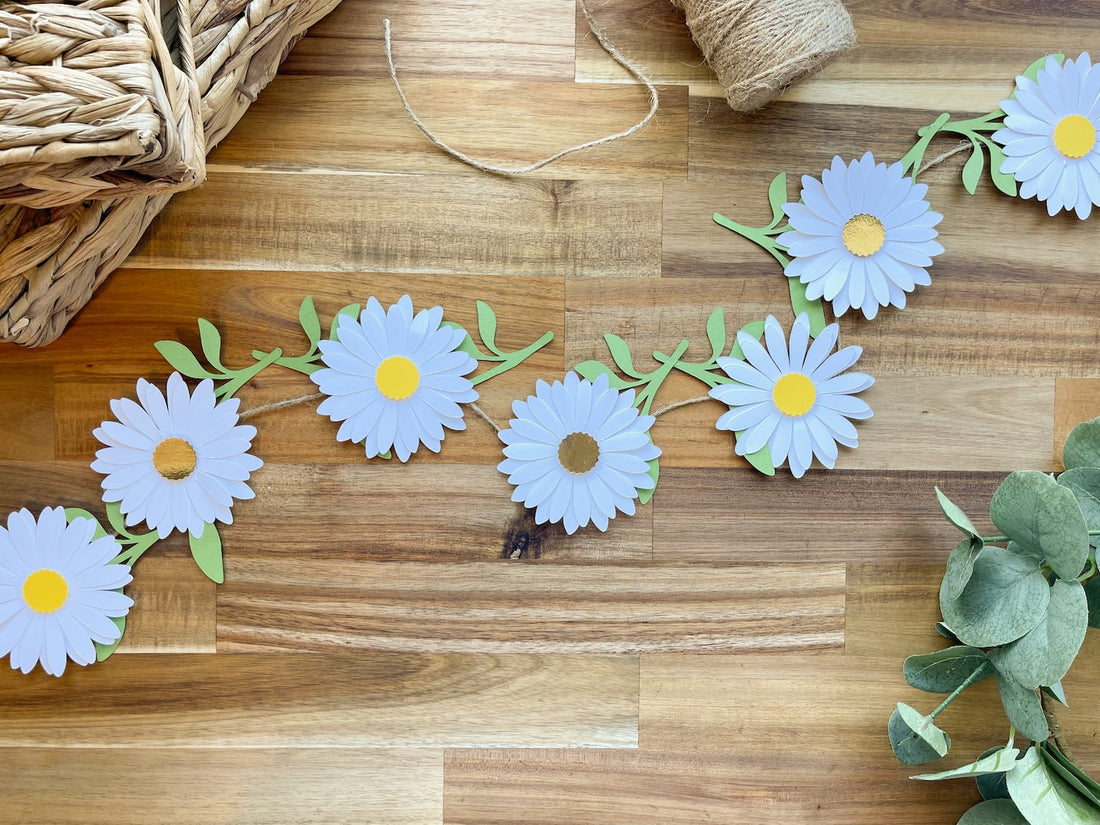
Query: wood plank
(400,223)
(1076,400)
(732,516)
(182,786)
(893,606)
(27,413)
(575,787)
(331,700)
(360,126)
(273,604)
(175,607)
(474,38)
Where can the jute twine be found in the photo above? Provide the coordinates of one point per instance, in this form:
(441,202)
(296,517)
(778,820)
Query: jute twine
(760,47)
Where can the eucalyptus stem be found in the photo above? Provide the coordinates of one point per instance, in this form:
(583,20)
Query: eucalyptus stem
(979,673)
(1056,732)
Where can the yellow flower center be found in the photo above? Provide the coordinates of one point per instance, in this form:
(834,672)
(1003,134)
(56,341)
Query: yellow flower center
(578,453)
(45,591)
(1074,136)
(174,459)
(397,378)
(794,394)
(863,235)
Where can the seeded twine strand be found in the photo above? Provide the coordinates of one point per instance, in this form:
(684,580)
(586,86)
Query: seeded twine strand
(615,54)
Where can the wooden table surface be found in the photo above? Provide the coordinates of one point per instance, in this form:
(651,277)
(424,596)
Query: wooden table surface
(729,655)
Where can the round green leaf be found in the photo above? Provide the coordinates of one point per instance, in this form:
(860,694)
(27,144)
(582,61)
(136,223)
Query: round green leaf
(1043,655)
(1083,446)
(994,812)
(915,738)
(207,552)
(960,566)
(1032,509)
(1006,597)
(955,515)
(944,670)
(1084,483)
(1023,708)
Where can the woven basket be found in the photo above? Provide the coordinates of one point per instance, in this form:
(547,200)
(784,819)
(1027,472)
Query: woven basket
(52,260)
(96,101)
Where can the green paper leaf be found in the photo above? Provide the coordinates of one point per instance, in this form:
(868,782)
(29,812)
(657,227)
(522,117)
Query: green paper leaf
(1044,798)
(1044,654)
(1082,447)
(1032,71)
(1006,597)
(777,196)
(945,670)
(800,303)
(620,352)
(972,170)
(994,812)
(1092,595)
(103,652)
(351,311)
(181,359)
(487,326)
(594,369)
(1031,508)
(999,761)
(960,567)
(915,738)
(644,496)
(467,346)
(211,341)
(1003,181)
(755,329)
(116,519)
(311,324)
(207,552)
(75,513)
(761,460)
(1023,708)
(716,332)
(956,516)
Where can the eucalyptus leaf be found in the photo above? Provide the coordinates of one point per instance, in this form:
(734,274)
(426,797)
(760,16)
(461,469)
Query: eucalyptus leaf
(487,326)
(954,514)
(207,552)
(994,812)
(1055,690)
(947,633)
(915,738)
(1092,596)
(1082,447)
(1006,597)
(1023,708)
(1073,778)
(972,170)
(1044,654)
(945,670)
(1044,798)
(102,651)
(960,566)
(311,324)
(1050,752)
(716,332)
(999,761)
(1032,509)
(181,359)
(992,785)
(1084,482)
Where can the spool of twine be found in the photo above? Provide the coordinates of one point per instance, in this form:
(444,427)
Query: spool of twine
(760,47)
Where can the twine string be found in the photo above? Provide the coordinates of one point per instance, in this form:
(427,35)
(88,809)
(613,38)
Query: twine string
(615,55)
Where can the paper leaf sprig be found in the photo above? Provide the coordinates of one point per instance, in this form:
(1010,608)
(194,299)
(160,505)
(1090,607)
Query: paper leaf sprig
(1016,607)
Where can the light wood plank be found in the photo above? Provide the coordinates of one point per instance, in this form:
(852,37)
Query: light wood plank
(1076,400)
(360,126)
(182,786)
(473,38)
(893,607)
(510,608)
(27,408)
(327,700)
(401,223)
(175,609)
(733,516)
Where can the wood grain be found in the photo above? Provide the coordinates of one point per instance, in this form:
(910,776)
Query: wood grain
(175,606)
(519,608)
(1076,401)
(188,786)
(26,420)
(334,700)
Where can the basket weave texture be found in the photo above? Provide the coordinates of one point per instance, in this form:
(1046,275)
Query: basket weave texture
(52,260)
(93,104)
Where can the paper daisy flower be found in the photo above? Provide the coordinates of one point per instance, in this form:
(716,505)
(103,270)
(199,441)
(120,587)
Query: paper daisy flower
(1049,136)
(577,452)
(395,380)
(862,237)
(57,591)
(175,463)
(792,399)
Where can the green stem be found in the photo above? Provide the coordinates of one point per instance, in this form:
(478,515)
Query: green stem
(763,237)
(514,359)
(980,672)
(138,547)
(1001,539)
(646,396)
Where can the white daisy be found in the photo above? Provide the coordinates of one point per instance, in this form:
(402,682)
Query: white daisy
(792,400)
(1050,136)
(175,465)
(862,237)
(394,380)
(577,452)
(58,590)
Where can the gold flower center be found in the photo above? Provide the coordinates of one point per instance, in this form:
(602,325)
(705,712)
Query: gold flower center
(578,453)
(863,235)
(1074,136)
(174,459)
(45,591)
(794,394)
(397,378)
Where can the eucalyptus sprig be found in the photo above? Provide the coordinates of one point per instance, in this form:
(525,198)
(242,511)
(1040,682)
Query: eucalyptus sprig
(1017,606)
